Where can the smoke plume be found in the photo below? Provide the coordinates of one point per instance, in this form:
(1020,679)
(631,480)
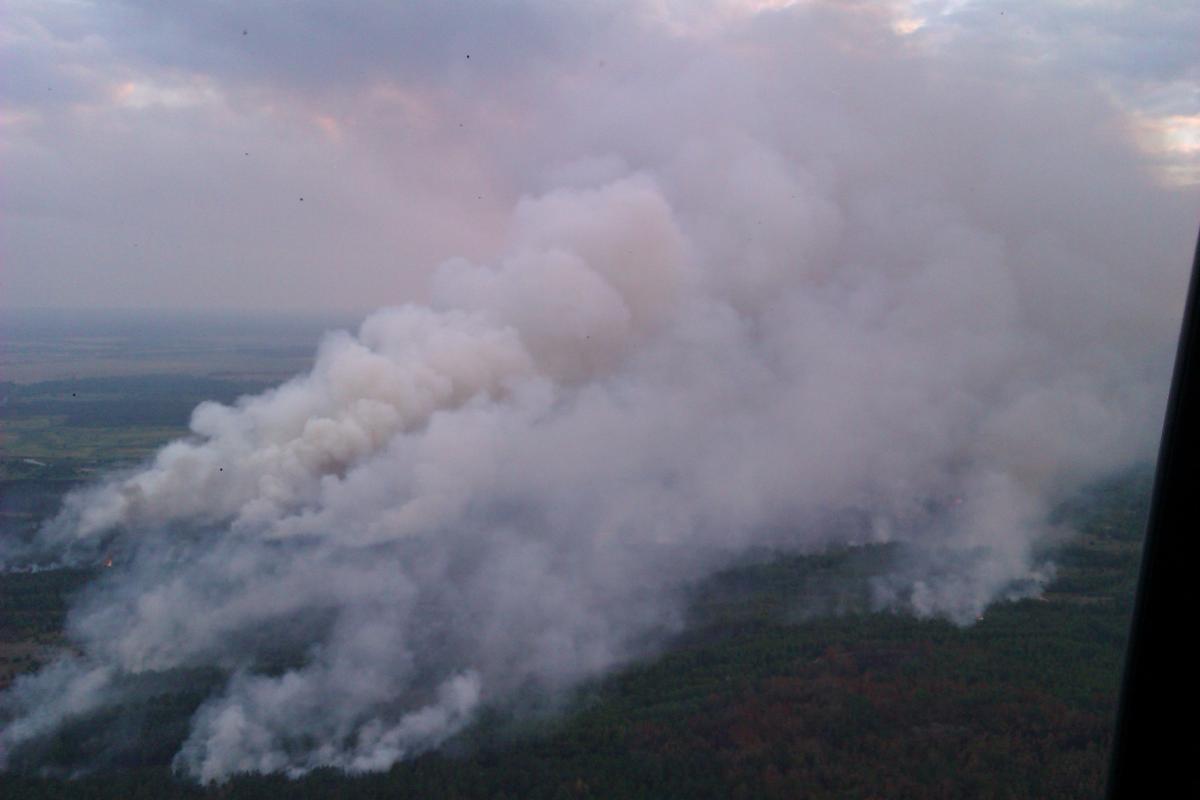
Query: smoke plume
(808,287)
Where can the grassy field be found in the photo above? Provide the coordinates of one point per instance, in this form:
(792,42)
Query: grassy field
(73,451)
(58,434)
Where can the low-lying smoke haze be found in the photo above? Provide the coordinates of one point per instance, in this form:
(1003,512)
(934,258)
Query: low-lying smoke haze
(780,284)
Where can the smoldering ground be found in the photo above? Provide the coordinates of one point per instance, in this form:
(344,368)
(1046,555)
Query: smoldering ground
(808,287)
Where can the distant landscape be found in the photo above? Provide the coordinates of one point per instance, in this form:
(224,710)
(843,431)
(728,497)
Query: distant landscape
(784,683)
(61,346)
(84,392)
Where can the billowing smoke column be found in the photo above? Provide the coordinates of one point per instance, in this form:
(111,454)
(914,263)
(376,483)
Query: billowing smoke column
(784,317)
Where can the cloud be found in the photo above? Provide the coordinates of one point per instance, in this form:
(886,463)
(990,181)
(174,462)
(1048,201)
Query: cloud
(155,155)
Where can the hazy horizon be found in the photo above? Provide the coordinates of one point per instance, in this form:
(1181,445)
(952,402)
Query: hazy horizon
(50,344)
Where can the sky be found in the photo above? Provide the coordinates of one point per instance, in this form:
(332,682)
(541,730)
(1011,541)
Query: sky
(323,155)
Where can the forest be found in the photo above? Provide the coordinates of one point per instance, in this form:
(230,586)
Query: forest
(785,684)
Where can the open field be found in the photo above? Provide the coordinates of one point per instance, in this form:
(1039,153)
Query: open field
(59,446)
(72,345)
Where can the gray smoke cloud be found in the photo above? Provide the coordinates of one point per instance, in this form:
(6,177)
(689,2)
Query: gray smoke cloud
(801,290)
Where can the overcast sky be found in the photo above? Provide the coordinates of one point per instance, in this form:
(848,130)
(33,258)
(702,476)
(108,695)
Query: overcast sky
(329,155)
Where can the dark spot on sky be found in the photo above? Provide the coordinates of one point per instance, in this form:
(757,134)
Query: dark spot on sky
(244,32)
(468,55)
(301,199)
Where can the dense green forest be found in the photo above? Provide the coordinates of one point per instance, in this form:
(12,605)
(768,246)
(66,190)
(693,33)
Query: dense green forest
(767,695)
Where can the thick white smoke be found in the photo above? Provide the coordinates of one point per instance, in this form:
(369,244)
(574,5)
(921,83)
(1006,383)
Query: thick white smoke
(787,301)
